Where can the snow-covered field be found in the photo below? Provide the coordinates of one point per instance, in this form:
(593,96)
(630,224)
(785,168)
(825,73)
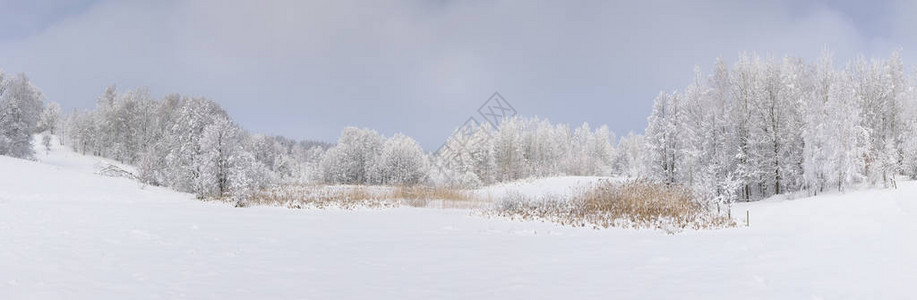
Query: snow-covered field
(66,233)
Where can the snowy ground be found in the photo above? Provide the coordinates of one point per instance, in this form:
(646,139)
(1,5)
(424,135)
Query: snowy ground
(69,234)
(561,187)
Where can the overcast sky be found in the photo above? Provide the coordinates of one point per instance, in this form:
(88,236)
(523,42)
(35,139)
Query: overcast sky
(306,69)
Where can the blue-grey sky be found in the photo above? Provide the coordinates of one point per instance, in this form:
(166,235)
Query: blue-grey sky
(306,69)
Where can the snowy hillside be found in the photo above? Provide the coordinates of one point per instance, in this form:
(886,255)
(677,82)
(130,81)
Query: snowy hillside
(66,233)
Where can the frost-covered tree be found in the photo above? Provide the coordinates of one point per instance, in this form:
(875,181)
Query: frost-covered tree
(362,156)
(602,151)
(908,132)
(50,118)
(352,160)
(80,132)
(308,158)
(131,122)
(835,153)
(694,123)
(629,159)
(662,138)
(227,168)
(220,141)
(21,105)
(788,117)
(275,153)
(849,139)
(509,153)
(246,176)
(747,91)
(879,87)
(717,179)
(184,159)
(590,152)
(482,164)
(467,158)
(402,161)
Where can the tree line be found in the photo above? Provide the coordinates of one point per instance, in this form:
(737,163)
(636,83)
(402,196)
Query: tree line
(750,130)
(767,126)
(187,143)
(531,147)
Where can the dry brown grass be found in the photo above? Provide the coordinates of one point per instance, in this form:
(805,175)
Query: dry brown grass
(435,197)
(640,201)
(299,196)
(637,203)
